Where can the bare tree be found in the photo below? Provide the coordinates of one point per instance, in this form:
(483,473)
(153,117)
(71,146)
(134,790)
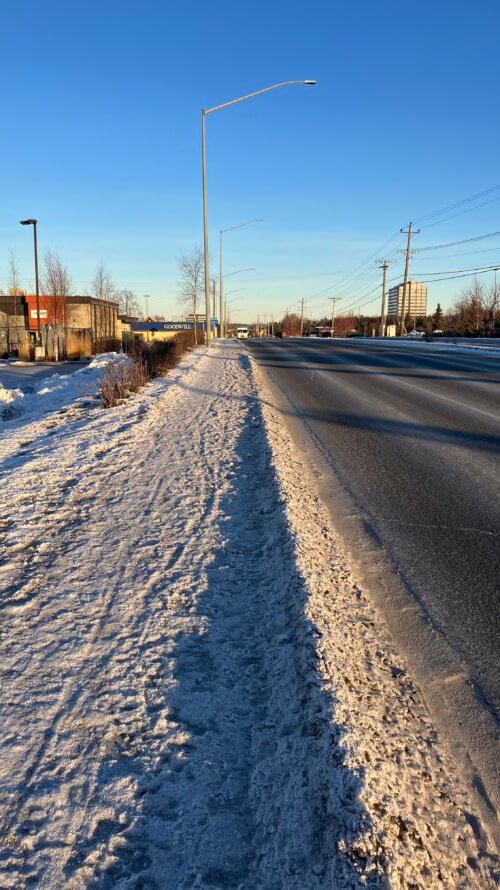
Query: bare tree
(56,283)
(127,302)
(102,283)
(191,267)
(13,265)
(14,291)
(103,290)
(490,302)
(290,325)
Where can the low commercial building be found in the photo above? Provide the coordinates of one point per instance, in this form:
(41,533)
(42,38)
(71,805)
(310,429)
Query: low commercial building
(12,324)
(74,326)
(70,327)
(161,330)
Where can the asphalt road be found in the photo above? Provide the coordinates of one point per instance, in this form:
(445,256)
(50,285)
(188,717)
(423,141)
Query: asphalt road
(413,434)
(25,377)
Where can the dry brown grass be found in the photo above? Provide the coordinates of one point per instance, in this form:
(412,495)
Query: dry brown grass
(120,379)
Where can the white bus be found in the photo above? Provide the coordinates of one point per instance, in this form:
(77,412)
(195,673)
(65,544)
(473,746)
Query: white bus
(242,333)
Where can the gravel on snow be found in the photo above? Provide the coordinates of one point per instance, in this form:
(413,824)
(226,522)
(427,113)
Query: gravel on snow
(195,692)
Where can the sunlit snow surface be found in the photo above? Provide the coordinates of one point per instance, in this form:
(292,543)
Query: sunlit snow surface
(195,691)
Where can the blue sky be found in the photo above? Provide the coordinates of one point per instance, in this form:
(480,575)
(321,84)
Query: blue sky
(101,140)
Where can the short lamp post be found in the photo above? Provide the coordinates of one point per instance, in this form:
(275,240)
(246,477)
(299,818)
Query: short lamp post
(33,222)
(204,112)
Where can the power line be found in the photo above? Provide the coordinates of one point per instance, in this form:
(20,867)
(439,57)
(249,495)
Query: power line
(452,277)
(448,256)
(425,217)
(487,191)
(358,269)
(470,269)
(360,304)
(461,213)
(455,243)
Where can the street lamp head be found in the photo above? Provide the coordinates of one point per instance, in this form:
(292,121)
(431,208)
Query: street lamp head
(28,222)
(310,83)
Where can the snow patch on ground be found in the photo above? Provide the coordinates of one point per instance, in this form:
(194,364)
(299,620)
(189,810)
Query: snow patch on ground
(57,390)
(195,693)
(9,395)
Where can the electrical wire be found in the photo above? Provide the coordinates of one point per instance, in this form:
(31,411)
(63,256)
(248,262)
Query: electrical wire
(427,216)
(465,275)
(473,269)
(357,270)
(455,243)
(461,213)
(448,256)
(359,305)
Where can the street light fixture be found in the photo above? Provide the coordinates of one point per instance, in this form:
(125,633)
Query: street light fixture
(221,277)
(234,300)
(204,112)
(33,222)
(237,272)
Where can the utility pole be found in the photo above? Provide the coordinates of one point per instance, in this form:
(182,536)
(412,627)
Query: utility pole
(384,265)
(214,304)
(495,296)
(301,316)
(409,231)
(334,300)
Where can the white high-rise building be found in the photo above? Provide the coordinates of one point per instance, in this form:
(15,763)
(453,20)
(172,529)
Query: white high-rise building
(416,299)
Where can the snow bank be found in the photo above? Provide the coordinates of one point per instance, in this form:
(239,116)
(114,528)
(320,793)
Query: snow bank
(422,343)
(58,390)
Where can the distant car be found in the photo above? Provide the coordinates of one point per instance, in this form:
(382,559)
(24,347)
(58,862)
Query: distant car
(242,333)
(415,334)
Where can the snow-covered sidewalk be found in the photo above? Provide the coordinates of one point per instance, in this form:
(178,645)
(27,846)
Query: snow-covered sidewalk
(195,693)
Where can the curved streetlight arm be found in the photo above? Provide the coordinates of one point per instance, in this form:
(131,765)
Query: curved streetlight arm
(275,86)
(240,226)
(228,275)
(204,113)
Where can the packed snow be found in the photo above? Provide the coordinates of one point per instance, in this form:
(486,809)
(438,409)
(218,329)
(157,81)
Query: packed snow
(196,692)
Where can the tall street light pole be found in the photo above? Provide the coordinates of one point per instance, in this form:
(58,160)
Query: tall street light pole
(221,276)
(33,222)
(204,112)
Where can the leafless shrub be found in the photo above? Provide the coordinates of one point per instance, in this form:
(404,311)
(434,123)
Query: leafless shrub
(121,378)
(114,384)
(138,375)
(191,269)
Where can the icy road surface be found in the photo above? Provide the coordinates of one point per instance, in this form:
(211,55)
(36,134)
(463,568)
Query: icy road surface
(195,692)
